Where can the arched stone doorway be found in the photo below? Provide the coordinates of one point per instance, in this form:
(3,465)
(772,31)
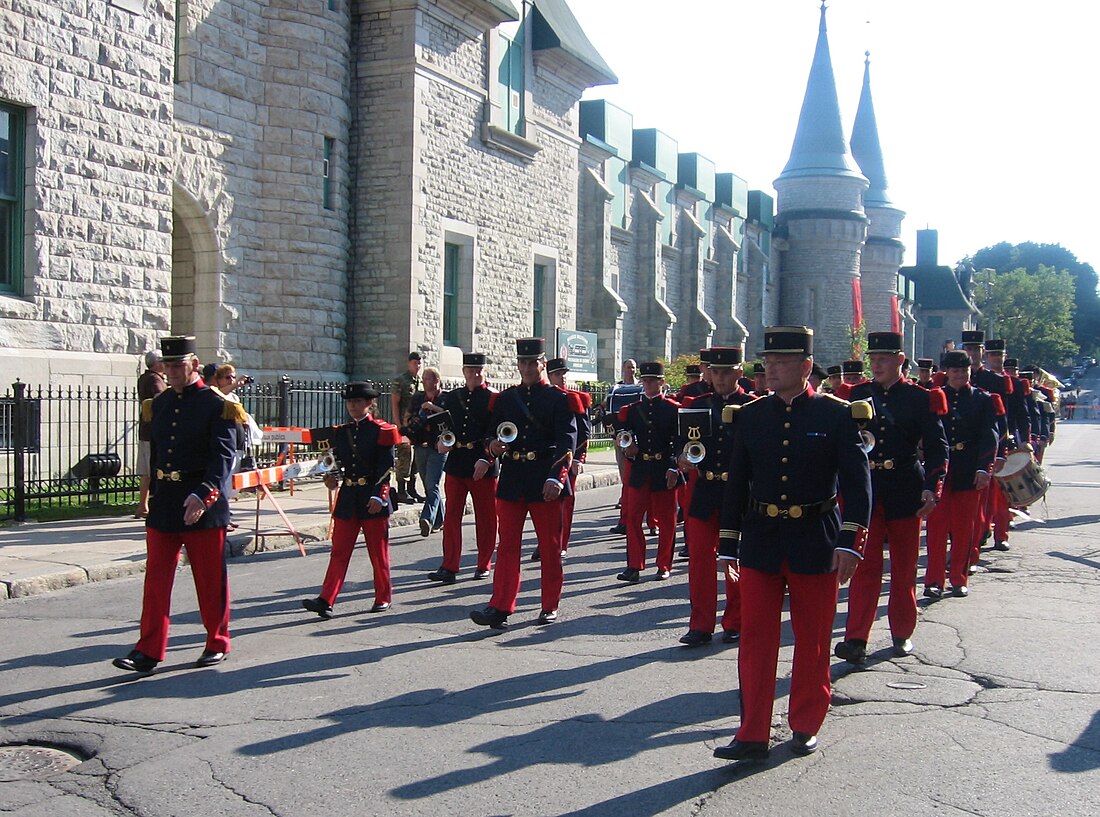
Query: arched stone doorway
(196,297)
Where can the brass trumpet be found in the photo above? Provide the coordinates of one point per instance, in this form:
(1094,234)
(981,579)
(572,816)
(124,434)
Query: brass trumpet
(447,438)
(507,432)
(625,438)
(695,452)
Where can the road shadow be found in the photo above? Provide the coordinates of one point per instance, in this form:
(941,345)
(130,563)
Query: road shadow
(1083,755)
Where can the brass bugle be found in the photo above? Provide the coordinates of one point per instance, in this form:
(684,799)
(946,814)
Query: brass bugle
(448,438)
(507,432)
(866,441)
(695,452)
(626,439)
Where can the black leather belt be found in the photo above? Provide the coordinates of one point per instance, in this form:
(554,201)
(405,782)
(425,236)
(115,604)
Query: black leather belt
(178,476)
(774,510)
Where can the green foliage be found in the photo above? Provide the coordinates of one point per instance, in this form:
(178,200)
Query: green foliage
(857,340)
(676,371)
(1029,256)
(1032,311)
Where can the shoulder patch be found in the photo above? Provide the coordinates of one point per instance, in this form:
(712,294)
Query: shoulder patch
(998,404)
(937,401)
(234,411)
(147,409)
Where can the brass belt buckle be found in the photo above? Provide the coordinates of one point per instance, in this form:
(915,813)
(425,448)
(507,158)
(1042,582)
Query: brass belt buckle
(795,512)
(531,455)
(773,510)
(888,465)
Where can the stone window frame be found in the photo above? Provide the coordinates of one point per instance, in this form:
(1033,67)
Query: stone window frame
(547,258)
(15,201)
(464,235)
(495,130)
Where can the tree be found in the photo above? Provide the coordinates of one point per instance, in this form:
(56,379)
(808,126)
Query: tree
(1005,257)
(1033,312)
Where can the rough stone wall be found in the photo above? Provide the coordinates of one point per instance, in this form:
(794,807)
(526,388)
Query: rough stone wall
(879,264)
(96,82)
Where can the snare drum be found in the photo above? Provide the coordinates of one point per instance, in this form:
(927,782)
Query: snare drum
(1022,479)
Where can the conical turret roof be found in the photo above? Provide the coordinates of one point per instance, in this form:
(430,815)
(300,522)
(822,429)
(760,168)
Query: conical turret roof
(819,146)
(866,147)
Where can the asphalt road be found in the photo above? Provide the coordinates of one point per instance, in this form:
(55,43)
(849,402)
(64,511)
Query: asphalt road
(418,711)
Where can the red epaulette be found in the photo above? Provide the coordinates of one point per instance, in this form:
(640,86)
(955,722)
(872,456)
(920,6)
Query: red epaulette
(388,433)
(586,399)
(493,400)
(1026,385)
(998,405)
(688,401)
(1008,384)
(939,379)
(621,414)
(937,402)
(576,404)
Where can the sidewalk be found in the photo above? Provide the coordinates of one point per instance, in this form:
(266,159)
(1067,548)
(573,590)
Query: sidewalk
(41,557)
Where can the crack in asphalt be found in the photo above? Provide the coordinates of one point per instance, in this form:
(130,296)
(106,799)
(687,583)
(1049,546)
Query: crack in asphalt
(245,798)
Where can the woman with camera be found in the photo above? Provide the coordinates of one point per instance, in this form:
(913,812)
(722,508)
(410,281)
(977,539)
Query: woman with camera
(423,433)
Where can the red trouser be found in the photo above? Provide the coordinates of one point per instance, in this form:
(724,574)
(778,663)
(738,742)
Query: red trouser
(206,553)
(683,498)
(661,506)
(983,520)
(813,608)
(1001,512)
(567,505)
(546,517)
(484,493)
(956,516)
(903,536)
(376,532)
(702,539)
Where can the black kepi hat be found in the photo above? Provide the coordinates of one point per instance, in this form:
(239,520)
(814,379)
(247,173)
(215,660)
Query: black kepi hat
(177,347)
(704,356)
(651,368)
(556,364)
(530,347)
(473,359)
(955,360)
(758,369)
(973,337)
(926,363)
(852,367)
(884,342)
(357,390)
(726,357)
(1012,363)
(693,369)
(788,340)
(997,345)
(833,370)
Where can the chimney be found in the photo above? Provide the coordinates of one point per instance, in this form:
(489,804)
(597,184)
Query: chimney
(928,249)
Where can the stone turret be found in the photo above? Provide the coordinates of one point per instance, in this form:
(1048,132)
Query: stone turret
(882,256)
(820,210)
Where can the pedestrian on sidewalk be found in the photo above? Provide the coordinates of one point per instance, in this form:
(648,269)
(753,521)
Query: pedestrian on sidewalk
(422,432)
(404,386)
(364,450)
(193,438)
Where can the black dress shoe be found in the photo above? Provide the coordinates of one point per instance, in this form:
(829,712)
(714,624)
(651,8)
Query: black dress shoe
(619,529)
(853,651)
(661,575)
(730,637)
(403,498)
(443,575)
(803,744)
(318,606)
(903,647)
(209,658)
(933,591)
(548,616)
(481,574)
(630,575)
(380,607)
(536,556)
(490,617)
(960,592)
(684,554)
(743,750)
(135,662)
(425,527)
(1000,546)
(696,638)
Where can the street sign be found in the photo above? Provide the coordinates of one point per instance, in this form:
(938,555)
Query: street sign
(579,351)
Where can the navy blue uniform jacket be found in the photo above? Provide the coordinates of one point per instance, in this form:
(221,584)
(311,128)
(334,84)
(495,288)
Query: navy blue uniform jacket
(971,426)
(707,495)
(364,451)
(544,415)
(472,425)
(655,426)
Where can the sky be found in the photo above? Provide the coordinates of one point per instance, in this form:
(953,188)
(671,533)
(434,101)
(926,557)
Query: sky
(987,111)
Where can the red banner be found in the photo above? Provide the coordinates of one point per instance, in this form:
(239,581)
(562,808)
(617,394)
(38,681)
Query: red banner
(895,314)
(857,304)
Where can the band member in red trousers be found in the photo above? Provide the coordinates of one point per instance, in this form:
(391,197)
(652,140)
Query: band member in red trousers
(193,440)
(556,370)
(470,471)
(654,475)
(783,532)
(904,491)
(702,517)
(536,432)
(364,448)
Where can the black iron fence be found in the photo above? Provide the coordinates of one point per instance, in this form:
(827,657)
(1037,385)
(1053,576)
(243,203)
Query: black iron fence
(78,446)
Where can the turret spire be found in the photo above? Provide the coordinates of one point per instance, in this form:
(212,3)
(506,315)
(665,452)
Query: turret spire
(819,146)
(866,147)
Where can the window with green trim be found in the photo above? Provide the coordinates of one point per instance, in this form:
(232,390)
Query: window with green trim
(12,122)
(452,259)
(510,79)
(538,296)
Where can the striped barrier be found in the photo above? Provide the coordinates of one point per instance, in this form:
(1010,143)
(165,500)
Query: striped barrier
(279,473)
(286,434)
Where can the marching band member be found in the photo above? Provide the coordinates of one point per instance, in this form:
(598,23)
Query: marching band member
(1018,415)
(653,476)
(906,421)
(971,428)
(995,383)
(708,479)
(851,375)
(925,369)
(782,530)
(470,470)
(534,475)
(193,438)
(556,370)
(364,448)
